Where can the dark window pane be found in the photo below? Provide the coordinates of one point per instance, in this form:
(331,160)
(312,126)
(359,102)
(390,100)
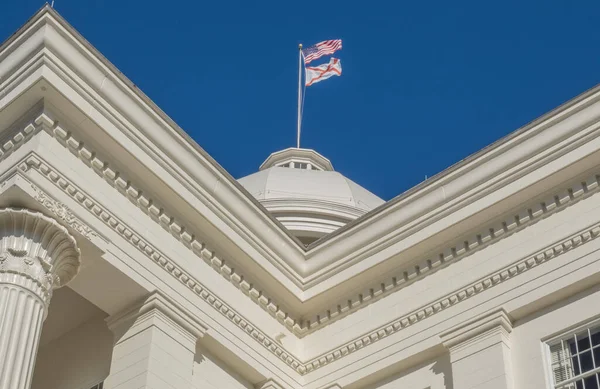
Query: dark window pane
(580,384)
(595,336)
(597,356)
(585,359)
(583,343)
(572,346)
(590,382)
(576,370)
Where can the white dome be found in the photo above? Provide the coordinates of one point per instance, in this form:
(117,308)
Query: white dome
(300,188)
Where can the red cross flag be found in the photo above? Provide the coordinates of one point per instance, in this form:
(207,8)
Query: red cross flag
(315,74)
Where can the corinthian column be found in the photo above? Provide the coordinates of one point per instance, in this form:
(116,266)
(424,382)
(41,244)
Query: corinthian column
(37,255)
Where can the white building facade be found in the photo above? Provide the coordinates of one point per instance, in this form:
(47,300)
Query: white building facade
(130,259)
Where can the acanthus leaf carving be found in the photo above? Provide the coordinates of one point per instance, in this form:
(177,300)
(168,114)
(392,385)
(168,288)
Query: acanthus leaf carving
(38,249)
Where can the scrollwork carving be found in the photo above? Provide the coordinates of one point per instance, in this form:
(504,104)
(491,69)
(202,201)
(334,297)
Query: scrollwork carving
(62,212)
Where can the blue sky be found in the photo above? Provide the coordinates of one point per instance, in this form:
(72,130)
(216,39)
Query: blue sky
(424,84)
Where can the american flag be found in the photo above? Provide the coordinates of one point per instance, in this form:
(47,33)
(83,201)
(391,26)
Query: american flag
(320,49)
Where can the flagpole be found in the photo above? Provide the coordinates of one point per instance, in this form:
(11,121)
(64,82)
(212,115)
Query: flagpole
(299,93)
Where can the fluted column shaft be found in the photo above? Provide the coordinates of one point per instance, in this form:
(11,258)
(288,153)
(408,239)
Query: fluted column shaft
(37,255)
(21,316)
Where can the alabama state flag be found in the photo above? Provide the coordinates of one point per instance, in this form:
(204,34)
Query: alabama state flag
(315,74)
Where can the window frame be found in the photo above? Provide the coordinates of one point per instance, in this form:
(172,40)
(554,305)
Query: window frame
(565,335)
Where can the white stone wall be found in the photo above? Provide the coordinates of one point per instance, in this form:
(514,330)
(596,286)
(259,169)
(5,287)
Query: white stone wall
(212,373)
(435,374)
(529,349)
(78,359)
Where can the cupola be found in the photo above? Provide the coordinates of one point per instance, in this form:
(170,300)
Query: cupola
(301,189)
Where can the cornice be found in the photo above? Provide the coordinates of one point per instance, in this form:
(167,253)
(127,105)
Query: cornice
(240,211)
(160,215)
(491,233)
(403,276)
(153,253)
(496,278)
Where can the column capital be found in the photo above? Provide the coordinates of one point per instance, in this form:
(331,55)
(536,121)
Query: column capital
(160,311)
(36,252)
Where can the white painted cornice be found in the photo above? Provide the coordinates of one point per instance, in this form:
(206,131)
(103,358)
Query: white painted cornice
(467,188)
(418,268)
(456,298)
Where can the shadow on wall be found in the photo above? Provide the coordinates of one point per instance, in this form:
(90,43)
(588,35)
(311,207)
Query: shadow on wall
(443,366)
(212,373)
(435,373)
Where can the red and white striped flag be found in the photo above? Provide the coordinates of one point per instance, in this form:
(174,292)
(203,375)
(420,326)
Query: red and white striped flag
(319,73)
(320,49)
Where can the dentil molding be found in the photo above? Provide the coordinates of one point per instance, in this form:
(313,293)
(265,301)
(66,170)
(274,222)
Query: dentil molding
(393,281)
(36,252)
(160,215)
(535,212)
(155,255)
(462,294)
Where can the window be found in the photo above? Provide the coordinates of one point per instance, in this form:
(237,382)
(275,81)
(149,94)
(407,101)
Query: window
(575,360)
(301,165)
